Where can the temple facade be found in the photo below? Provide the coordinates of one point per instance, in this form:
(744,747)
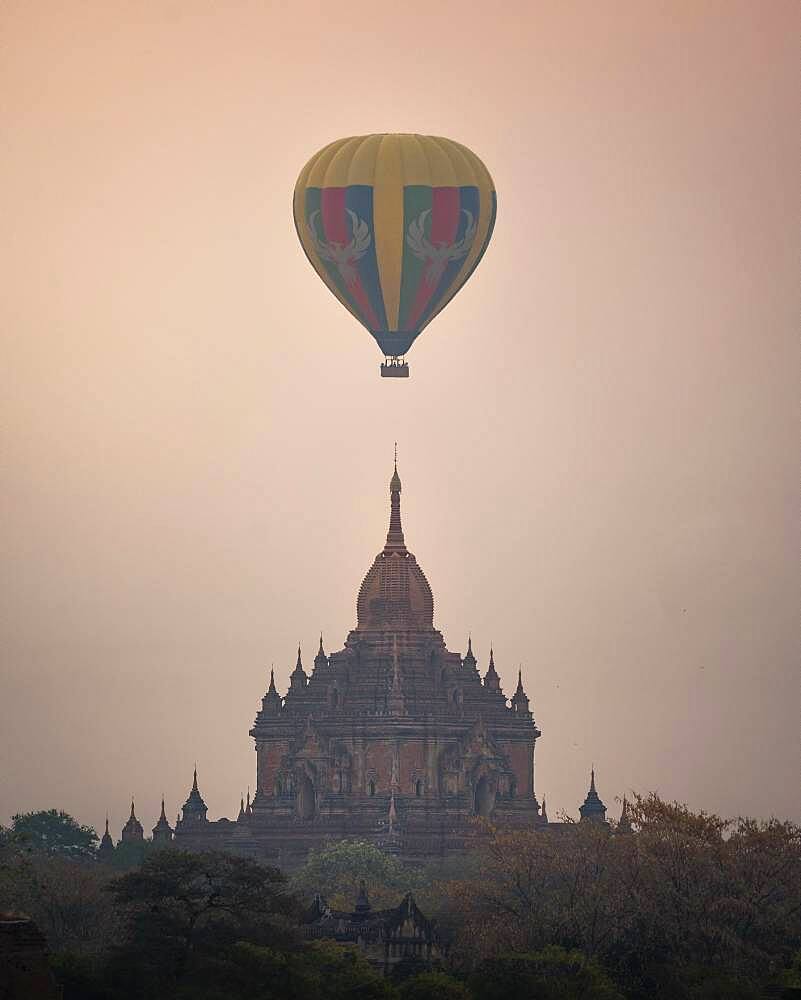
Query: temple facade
(393,738)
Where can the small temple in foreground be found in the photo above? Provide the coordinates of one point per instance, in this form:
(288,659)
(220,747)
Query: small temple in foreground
(394,739)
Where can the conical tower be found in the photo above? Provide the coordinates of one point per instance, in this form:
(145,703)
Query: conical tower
(395,594)
(519,698)
(298,679)
(469,664)
(105,850)
(624,823)
(132,832)
(162,831)
(271,702)
(194,810)
(593,810)
(492,681)
(320,660)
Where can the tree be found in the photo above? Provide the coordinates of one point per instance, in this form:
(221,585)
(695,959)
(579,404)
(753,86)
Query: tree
(131,854)
(433,985)
(336,870)
(550,974)
(186,915)
(66,899)
(683,890)
(320,971)
(53,831)
(575,888)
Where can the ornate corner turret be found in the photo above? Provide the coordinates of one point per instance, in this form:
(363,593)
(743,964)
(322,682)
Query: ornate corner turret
(162,831)
(194,810)
(132,831)
(491,679)
(519,698)
(593,810)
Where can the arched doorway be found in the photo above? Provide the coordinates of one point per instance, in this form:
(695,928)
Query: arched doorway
(485,797)
(305,798)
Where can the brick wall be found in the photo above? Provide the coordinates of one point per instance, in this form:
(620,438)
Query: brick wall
(269,762)
(520,757)
(412,764)
(378,759)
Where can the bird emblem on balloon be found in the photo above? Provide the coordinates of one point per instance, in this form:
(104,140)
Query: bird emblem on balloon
(344,256)
(438,257)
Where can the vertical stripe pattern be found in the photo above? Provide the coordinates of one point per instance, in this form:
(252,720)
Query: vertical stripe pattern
(394,225)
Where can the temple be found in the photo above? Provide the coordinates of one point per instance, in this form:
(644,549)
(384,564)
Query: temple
(392,739)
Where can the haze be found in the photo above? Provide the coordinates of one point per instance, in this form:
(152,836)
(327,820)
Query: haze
(598,441)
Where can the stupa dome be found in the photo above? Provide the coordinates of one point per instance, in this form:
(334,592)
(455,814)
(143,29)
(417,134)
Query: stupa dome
(395,593)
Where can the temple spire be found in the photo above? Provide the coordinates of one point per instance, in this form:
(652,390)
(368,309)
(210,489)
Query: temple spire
(194,808)
(519,699)
(133,828)
(491,678)
(469,661)
(593,808)
(395,538)
(162,831)
(271,702)
(298,679)
(321,660)
(105,848)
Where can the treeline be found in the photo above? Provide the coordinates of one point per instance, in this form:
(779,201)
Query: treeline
(682,906)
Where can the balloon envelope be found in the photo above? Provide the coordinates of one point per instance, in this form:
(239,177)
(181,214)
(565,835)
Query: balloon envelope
(394,225)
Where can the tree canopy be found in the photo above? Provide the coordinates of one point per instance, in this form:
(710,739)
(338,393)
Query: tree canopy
(687,890)
(550,974)
(53,831)
(685,906)
(336,870)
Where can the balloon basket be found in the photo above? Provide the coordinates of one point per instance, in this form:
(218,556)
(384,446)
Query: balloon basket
(394,368)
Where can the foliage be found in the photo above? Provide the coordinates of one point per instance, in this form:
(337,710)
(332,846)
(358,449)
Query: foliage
(336,870)
(186,913)
(792,975)
(79,977)
(687,907)
(335,971)
(53,831)
(131,854)
(433,985)
(550,974)
(65,897)
(684,889)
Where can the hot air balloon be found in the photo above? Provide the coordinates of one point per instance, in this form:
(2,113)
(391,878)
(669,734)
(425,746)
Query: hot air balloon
(394,225)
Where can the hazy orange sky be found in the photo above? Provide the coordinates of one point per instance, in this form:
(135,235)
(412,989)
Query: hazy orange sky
(598,441)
